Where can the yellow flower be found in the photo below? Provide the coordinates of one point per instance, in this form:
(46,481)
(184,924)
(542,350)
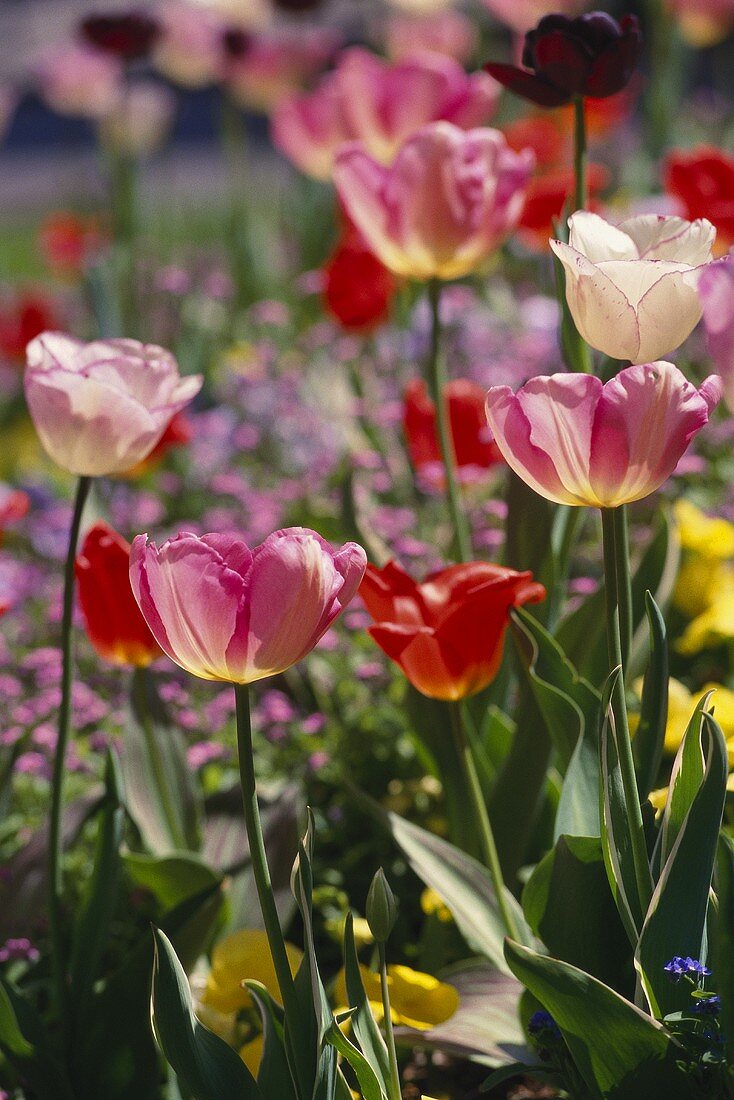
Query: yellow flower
(701,582)
(709,536)
(432,903)
(714,626)
(244,954)
(417,1000)
(251,1054)
(362,934)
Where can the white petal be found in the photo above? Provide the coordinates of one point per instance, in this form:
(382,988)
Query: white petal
(602,313)
(659,237)
(598,240)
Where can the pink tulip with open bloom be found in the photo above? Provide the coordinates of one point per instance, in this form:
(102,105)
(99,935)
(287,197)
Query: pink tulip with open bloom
(379,104)
(631,288)
(448,200)
(576,441)
(225,612)
(100,408)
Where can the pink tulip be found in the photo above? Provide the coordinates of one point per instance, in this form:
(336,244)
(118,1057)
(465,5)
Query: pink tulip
(449,199)
(225,612)
(78,80)
(716,291)
(100,408)
(379,104)
(279,64)
(576,441)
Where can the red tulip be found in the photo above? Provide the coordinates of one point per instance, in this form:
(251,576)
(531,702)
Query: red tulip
(28,315)
(474,447)
(703,180)
(14,505)
(115,626)
(358,289)
(129,35)
(447,634)
(546,197)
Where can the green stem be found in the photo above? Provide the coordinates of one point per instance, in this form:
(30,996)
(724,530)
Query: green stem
(394,1083)
(142,688)
(616,566)
(437,387)
(581,195)
(664,85)
(259,860)
(234,145)
(624,582)
(55,833)
(481,817)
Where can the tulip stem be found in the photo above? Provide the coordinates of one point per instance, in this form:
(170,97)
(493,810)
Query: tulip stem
(55,833)
(616,567)
(581,196)
(395,1092)
(259,860)
(624,581)
(486,836)
(437,387)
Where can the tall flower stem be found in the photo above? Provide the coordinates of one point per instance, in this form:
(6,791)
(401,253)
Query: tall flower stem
(436,379)
(234,145)
(580,195)
(481,817)
(258,857)
(395,1092)
(624,582)
(55,837)
(616,568)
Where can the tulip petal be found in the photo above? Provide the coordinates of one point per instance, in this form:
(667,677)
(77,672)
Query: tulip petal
(659,237)
(597,240)
(528,85)
(603,315)
(423,660)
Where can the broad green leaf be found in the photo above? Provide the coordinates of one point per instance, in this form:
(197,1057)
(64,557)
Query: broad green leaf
(578,807)
(650,735)
(364,1026)
(615,835)
(206,1065)
(171,879)
(369,1083)
(676,919)
(162,793)
(274,1076)
(723,956)
(621,1053)
(462,883)
(93,923)
(569,906)
(567,702)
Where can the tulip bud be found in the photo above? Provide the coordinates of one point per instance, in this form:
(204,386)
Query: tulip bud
(382,908)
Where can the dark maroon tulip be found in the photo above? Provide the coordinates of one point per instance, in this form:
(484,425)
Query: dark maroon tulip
(592,55)
(128,35)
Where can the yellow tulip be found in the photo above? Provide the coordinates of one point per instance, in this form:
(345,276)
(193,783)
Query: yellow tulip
(251,1054)
(417,1000)
(244,954)
(711,628)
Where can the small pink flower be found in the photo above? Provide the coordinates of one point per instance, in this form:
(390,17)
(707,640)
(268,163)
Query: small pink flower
(100,408)
(576,441)
(379,104)
(449,199)
(225,612)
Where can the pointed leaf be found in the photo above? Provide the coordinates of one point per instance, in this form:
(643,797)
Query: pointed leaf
(685,780)
(274,1077)
(650,737)
(723,960)
(676,920)
(619,1051)
(364,1026)
(368,1081)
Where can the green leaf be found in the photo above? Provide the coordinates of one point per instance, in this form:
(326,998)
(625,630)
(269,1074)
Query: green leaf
(171,879)
(620,1052)
(364,1026)
(685,782)
(569,906)
(98,906)
(11,1037)
(567,702)
(462,883)
(723,957)
(676,919)
(615,834)
(274,1077)
(207,1067)
(650,736)
(368,1080)
(162,793)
